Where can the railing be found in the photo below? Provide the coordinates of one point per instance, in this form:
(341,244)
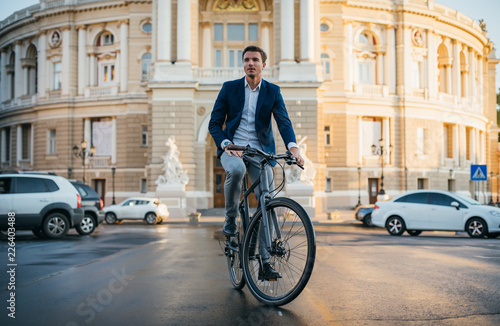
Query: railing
(56,94)
(372,90)
(220,75)
(100,161)
(101,91)
(371,160)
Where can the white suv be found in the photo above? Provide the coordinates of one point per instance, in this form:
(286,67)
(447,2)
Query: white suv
(48,205)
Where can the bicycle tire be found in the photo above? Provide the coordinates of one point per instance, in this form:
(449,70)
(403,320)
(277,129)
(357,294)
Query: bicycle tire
(233,257)
(295,263)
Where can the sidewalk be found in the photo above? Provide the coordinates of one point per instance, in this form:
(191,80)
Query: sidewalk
(216,216)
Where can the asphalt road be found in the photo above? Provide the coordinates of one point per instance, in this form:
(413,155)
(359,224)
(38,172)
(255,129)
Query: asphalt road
(176,274)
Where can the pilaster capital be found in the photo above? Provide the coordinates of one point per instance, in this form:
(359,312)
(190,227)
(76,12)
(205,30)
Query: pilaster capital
(41,33)
(65,28)
(18,43)
(123,22)
(347,21)
(390,26)
(81,27)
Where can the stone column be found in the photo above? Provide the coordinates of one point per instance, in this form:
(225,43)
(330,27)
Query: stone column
(164,30)
(449,77)
(18,78)
(360,140)
(113,141)
(390,60)
(92,69)
(3,143)
(407,75)
(19,145)
(82,59)
(456,145)
(432,60)
(349,66)
(265,37)
(184,31)
(66,60)
(42,64)
(457,87)
(207,45)
(3,76)
(87,135)
(380,68)
(480,81)
(472,75)
(306,30)
(287,30)
(123,55)
(26,78)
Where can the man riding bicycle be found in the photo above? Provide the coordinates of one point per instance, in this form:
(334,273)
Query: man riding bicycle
(245,106)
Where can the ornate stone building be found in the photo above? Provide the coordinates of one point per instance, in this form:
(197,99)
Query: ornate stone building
(400,87)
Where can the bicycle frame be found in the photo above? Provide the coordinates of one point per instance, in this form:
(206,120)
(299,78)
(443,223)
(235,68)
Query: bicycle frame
(263,199)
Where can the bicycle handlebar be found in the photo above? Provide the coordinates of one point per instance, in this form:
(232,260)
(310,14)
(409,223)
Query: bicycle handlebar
(247,150)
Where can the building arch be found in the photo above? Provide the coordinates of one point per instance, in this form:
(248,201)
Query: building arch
(31,65)
(444,67)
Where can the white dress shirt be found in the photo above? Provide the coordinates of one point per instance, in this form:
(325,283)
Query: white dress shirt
(246,134)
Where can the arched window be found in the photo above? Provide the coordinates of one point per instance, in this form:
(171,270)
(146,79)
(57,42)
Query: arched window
(464,71)
(145,66)
(444,66)
(31,66)
(367,52)
(106,38)
(325,62)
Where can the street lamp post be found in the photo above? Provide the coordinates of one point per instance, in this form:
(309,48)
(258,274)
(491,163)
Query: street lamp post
(113,170)
(380,151)
(83,153)
(359,187)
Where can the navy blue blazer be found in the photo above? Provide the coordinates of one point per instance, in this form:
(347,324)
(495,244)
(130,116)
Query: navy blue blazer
(228,109)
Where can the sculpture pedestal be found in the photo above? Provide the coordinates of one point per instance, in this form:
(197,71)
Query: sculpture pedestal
(303,193)
(174,196)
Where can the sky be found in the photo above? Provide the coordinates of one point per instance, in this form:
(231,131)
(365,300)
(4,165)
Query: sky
(477,9)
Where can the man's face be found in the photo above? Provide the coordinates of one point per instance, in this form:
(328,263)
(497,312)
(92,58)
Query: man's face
(252,64)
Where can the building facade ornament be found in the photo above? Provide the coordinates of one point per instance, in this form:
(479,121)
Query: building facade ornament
(55,38)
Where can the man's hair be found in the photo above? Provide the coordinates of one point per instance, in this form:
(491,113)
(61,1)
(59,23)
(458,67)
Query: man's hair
(254,48)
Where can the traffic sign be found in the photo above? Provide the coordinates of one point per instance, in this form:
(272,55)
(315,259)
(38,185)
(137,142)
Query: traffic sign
(478,172)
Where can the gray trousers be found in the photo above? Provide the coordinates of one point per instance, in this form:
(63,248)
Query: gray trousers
(235,172)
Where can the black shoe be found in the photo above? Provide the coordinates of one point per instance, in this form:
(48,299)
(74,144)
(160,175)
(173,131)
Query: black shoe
(267,273)
(229,229)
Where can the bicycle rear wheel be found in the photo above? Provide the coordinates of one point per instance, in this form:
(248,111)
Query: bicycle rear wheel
(293,255)
(233,256)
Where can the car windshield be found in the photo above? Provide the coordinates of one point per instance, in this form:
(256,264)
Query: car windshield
(468,200)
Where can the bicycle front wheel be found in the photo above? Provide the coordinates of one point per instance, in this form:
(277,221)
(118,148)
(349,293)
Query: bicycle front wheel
(233,256)
(292,255)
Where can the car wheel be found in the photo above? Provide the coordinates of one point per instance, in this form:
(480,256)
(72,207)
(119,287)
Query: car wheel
(367,220)
(86,226)
(414,233)
(110,218)
(395,225)
(55,226)
(150,218)
(476,228)
(39,233)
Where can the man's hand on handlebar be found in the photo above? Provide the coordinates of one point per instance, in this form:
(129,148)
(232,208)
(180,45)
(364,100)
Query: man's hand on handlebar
(233,152)
(296,153)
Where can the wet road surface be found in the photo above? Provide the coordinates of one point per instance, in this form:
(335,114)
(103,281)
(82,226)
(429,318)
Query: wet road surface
(176,274)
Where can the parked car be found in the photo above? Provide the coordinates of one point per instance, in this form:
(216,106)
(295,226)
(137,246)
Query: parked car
(363,213)
(92,205)
(137,208)
(430,210)
(44,203)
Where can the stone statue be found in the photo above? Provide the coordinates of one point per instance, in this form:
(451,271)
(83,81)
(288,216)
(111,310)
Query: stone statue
(295,175)
(482,24)
(174,173)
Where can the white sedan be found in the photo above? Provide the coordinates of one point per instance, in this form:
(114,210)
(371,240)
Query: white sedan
(432,210)
(137,208)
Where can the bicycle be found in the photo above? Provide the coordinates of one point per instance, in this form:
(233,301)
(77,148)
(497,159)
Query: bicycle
(282,232)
